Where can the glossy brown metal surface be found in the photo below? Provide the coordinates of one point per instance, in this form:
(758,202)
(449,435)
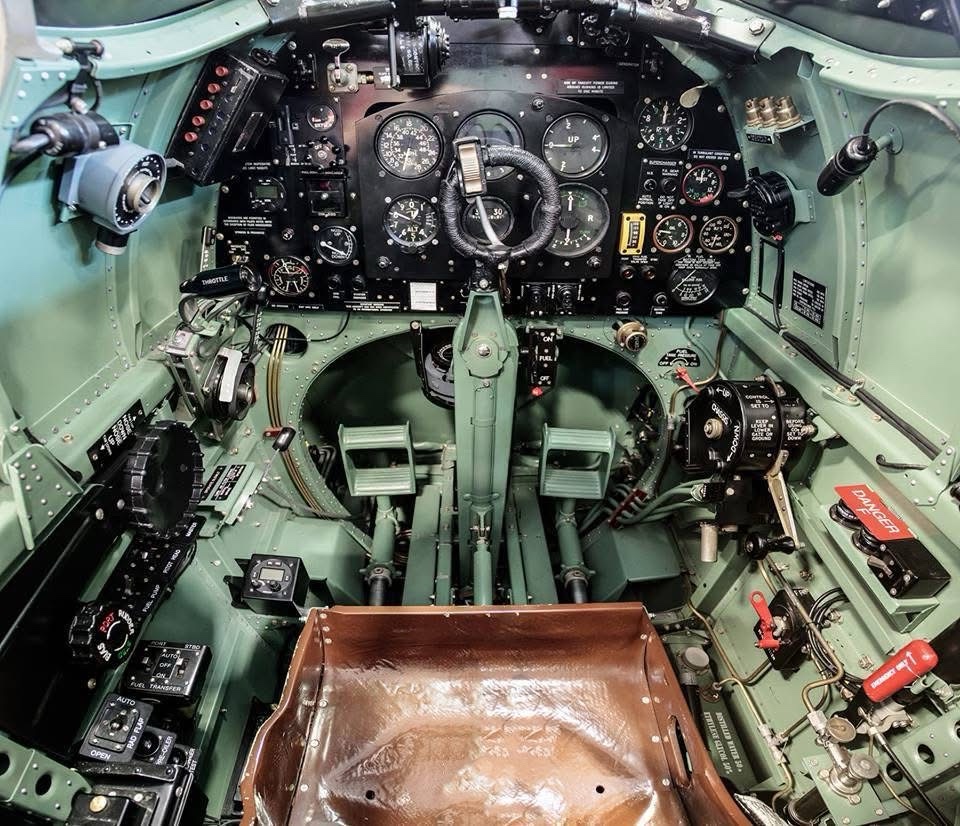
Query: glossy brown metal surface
(502,715)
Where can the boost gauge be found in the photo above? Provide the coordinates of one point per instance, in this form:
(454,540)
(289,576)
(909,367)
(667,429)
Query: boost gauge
(336,245)
(289,276)
(411,221)
(673,233)
(702,184)
(575,146)
(409,146)
(690,288)
(718,234)
(665,125)
(584,219)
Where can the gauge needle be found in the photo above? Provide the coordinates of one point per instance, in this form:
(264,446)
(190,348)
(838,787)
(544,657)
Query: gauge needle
(406,157)
(666,109)
(570,203)
(685,280)
(331,247)
(566,238)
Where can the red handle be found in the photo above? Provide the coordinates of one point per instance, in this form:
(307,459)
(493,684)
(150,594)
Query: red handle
(914,660)
(767,640)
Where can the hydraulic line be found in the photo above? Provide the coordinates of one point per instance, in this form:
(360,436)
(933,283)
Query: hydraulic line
(766,731)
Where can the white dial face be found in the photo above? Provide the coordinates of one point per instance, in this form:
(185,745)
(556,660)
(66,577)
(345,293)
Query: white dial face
(409,146)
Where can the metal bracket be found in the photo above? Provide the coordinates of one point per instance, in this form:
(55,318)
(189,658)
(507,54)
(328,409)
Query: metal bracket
(42,489)
(781,497)
(349,80)
(35,783)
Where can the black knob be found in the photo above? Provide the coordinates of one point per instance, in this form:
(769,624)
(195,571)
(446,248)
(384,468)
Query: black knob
(101,634)
(323,153)
(566,299)
(649,185)
(359,283)
(594,262)
(622,300)
(536,301)
(757,547)
(669,186)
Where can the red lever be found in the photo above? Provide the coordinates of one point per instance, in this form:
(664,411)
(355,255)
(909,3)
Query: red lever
(684,376)
(767,640)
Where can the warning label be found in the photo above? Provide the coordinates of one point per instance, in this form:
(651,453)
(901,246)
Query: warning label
(808,299)
(870,509)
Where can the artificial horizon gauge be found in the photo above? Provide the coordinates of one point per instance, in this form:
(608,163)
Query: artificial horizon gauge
(289,276)
(575,146)
(689,288)
(322,117)
(492,129)
(411,221)
(673,233)
(584,219)
(665,125)
(702,184)
(718,234)
(499,213)
(409,146)
(336,245)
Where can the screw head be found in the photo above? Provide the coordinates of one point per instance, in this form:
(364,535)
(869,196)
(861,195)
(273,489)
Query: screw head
(483,350)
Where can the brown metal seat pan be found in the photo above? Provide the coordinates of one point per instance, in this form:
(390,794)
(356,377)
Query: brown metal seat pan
(503,715)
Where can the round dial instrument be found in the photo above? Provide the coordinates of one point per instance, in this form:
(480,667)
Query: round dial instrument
(584,219)
(336,245)
(411,221)
(673,233)
(499,213)
(492,129)
(718,234)
(409,146)
(575,146)
(690,288)
(289,276)
(702,184)
(665,125)
(322,117)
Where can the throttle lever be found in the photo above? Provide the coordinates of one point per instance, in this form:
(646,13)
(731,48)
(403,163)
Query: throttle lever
(767,640)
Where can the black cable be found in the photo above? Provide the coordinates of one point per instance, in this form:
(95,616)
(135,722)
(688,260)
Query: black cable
(778,283)
(340,329)
(17,167)
(929,108)
(928,448)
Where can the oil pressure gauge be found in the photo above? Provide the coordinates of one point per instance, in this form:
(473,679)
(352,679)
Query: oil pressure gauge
(690,288)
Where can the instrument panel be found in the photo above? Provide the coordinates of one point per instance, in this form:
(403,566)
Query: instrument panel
(337,203)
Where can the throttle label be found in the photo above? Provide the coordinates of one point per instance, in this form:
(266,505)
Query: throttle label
(870,509)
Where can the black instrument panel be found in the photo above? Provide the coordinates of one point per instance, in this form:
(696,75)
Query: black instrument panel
(337,203)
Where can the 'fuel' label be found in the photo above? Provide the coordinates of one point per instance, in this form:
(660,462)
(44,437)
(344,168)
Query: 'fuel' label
(870,509)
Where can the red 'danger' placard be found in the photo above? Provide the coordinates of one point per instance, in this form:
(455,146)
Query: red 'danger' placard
(870,509)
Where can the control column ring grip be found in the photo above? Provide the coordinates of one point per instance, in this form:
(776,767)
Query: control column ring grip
(450,206)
